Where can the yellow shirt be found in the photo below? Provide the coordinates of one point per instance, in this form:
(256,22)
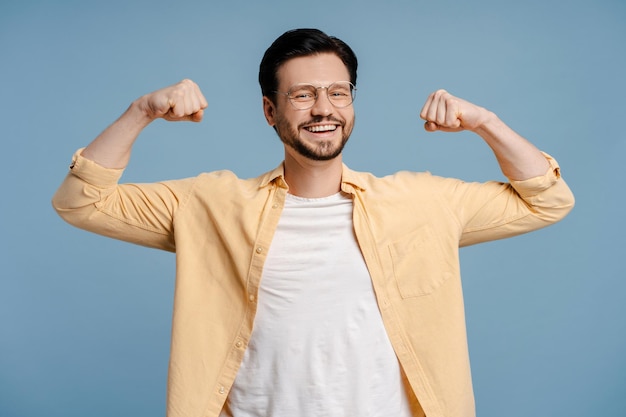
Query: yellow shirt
(409,227)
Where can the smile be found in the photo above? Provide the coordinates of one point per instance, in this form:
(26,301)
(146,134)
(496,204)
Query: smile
(322,128)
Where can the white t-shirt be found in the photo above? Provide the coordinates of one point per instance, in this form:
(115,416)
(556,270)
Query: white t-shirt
(318,347)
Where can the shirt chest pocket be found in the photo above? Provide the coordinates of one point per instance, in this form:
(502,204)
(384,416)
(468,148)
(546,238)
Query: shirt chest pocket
(419,264)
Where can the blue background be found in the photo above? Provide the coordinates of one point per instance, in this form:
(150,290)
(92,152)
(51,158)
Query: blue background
(85,321)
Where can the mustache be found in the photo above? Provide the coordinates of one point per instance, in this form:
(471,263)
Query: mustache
(322,119)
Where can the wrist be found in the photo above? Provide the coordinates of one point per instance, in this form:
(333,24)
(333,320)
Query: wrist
(489,123)
(139,113)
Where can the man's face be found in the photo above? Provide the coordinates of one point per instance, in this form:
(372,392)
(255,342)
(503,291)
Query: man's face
(318,133)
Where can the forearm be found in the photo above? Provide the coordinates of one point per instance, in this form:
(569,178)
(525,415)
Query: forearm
(112,148)
(179,102)
(518,158)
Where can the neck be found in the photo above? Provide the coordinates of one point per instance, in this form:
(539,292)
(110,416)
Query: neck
(313,179)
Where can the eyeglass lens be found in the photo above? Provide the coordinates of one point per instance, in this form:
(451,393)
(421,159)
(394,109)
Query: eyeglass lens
(340,94)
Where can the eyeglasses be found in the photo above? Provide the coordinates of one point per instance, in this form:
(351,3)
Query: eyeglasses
(303,96)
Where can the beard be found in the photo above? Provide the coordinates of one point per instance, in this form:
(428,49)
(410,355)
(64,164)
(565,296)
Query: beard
(324,150)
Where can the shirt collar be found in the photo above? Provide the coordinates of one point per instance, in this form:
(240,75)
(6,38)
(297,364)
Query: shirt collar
(350,180)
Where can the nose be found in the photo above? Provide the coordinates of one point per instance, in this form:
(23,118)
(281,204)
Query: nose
(322,105)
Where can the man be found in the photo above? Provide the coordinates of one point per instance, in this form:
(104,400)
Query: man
(314,290)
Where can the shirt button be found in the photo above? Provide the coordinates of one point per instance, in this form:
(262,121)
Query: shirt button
(239,344)
(259,249)
(274,206)
(251,297)
(222,389)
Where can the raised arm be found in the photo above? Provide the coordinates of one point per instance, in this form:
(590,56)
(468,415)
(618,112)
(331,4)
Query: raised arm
(91,198)
(518,158)
(179,102)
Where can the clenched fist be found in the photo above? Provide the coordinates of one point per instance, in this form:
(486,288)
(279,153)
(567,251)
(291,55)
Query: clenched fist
(182,101)
(445,112)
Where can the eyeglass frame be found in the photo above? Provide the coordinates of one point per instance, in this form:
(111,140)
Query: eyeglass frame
(290,99)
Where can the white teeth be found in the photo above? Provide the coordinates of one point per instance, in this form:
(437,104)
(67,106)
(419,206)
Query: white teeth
(324,128)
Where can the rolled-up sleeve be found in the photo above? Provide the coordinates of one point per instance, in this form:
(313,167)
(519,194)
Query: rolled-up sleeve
(91,198)
(500,210)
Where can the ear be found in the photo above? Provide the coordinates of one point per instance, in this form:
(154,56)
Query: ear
(269,109)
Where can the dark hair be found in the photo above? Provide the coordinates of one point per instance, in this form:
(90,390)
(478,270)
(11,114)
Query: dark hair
(297,43)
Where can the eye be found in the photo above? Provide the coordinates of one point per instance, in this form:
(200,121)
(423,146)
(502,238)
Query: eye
(340,90)
(304,93)
(339,93)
